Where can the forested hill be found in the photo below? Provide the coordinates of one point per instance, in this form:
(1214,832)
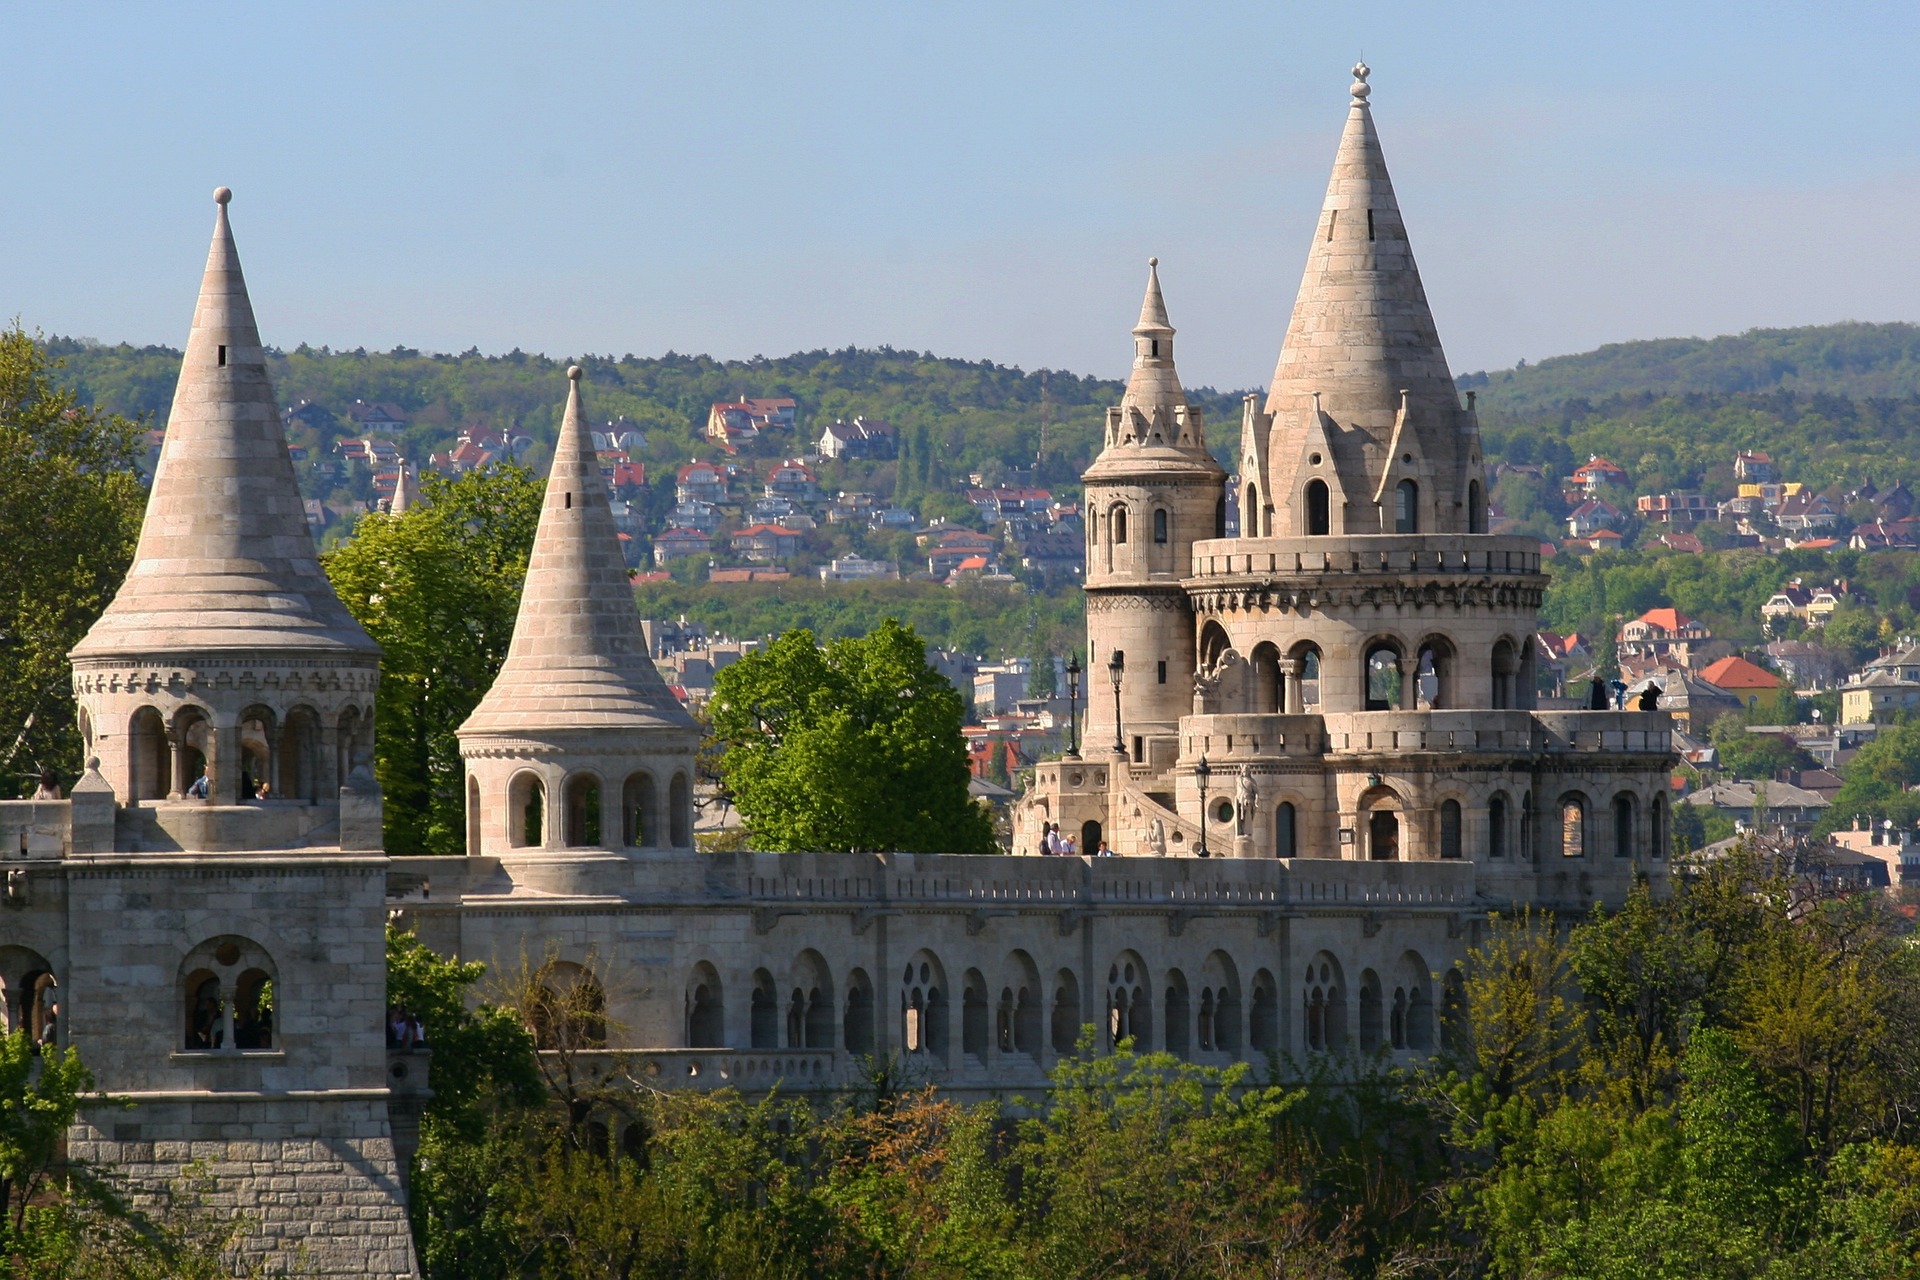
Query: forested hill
(1861,361)
(965,415)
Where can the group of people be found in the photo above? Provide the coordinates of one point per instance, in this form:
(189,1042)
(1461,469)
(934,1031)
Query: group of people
(404,1030)
(1055,845)
(249,789)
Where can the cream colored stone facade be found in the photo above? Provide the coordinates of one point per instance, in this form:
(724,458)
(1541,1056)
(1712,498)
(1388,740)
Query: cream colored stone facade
(1353,671)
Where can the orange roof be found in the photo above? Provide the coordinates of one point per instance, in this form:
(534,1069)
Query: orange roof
(1668,619)
(971,562)
(1735,672)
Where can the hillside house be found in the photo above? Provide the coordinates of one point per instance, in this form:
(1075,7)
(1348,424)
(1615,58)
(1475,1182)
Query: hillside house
(1754,468)
(1597,475)
(678,544)
(371,418)
(765,543)
(700,482)
(792,480)
(1806,511)
(853,568)
(1664,635)
(1806,665)
(1592,516)
(736,422)
(702,517)
(863,438)
(1877,697)
(1681,508)
(1007,502)
(1776,804)
(1745,680)
(1788,604)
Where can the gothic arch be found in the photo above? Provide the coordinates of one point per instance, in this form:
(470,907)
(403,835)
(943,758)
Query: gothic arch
(706,1009)
(226,996)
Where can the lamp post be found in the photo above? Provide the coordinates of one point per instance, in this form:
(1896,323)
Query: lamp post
(1117,667)
(1202,773)
(1073,706)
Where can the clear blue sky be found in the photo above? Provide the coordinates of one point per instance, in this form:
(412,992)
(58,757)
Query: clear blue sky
(978,179)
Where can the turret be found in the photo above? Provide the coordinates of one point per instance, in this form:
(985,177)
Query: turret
(1367,432)
(226,652)
(579,743)
(1151,494)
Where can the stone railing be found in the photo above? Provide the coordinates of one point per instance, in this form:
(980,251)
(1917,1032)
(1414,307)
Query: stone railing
(1230,738)
(1390,554)
(35,828)
(753,1070)
(1649,731)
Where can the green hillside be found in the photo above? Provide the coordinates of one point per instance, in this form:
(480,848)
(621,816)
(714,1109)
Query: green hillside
(1863,361)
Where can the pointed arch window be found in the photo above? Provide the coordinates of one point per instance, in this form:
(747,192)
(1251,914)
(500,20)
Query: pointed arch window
(1119,526)
(1406,507)
(1319,515)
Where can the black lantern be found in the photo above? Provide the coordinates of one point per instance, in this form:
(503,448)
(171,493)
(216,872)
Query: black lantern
(1202,774)
(1073,706)
(1116,668)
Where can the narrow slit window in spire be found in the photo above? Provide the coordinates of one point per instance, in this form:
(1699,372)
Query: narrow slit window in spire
(223,355)
(1369,224)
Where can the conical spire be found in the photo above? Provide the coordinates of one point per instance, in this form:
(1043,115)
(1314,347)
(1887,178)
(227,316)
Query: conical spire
(1154,396)
(1362,338)
(225,560)
(579,659)
(1153,308)
(406,491)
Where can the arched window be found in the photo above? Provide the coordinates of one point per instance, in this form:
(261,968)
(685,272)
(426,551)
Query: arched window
(1119,526)
(1433,675)
(1497,826)
(680,811)
(819,1021)
(1526,826)
(227,997)
(1371,1019)
(1026,1022)
(1160,525)
(295,777)
(1658,836)
(1503,676)
(923,1007)
(1623,823)
(256,751)
(583,811)
(973,1015)
(639,811)
(1283,830)
(1180,1016)
(1476,509)
(1406,507)
(1450,828)
(1269,694)
(797,1020)
(1382,677)
(1573,826)
(763,1012)
(857,1026)
(1066,1012)
(1129,1006)
(1250,512)
(474,827)
(569,1008)
(1383,835)
(1263,1021)
(1319,516)
(151,757)
(192,751)
(526,812)
(1310,680)
(706,1008)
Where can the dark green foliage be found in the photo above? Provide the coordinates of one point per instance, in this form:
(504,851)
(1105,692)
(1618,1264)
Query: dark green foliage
(855,746)
(70,508)
(438,587)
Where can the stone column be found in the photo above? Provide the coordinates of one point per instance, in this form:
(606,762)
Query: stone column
(223,768)
(1409,681)
(1290,686)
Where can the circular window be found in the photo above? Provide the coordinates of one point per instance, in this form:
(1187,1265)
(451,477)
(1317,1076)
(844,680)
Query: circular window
(1313,460)
(227,953)
(1406,457)
(1076,779)
(1223,812)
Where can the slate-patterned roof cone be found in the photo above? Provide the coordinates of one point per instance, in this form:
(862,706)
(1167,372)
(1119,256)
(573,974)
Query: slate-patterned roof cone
(225,560)
(579,659)
(1363,348)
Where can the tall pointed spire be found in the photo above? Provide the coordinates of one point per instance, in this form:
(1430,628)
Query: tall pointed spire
(579,659)
(225,560)
(406,490)
(1154,394)
(1362,339)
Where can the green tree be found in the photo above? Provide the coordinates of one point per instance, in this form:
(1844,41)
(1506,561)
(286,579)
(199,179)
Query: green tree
(439,588)
(70,508)
(855,746)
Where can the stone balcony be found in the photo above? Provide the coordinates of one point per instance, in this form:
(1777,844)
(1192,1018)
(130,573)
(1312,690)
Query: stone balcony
(1381,555)
(1224,738)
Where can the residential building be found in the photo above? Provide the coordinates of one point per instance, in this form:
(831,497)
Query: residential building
(1682,508)
(736,422)
(700,482)
(690,513)
(853,568)
(1754,468)
(1806,665)
(678,544)
(1592,516)
(793,480)
(1665,634)
(1597,475)
(1777,805)
(766,542)
(1877,697)
(1788,604)
(1806,511)
(998,686)
(863,438)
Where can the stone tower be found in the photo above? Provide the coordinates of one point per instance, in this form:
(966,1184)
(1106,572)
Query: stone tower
(579,744)
(223,963)
(1367,432)
(1153,492)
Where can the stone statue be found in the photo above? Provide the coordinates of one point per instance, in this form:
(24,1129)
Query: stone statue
(1244,796)
(1157,838)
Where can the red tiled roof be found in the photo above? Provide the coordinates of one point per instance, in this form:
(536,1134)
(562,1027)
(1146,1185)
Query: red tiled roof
(1667,619)
(1735,672)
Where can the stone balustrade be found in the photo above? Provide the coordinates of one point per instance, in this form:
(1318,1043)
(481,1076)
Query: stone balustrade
(1225,739)
(1396,555)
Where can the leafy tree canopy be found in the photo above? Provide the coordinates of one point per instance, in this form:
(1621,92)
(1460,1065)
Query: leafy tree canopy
(855,746)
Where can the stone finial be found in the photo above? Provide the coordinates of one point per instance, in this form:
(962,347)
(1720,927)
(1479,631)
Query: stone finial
(223,195)
(1359,89)
(575,373)
(1153,307)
